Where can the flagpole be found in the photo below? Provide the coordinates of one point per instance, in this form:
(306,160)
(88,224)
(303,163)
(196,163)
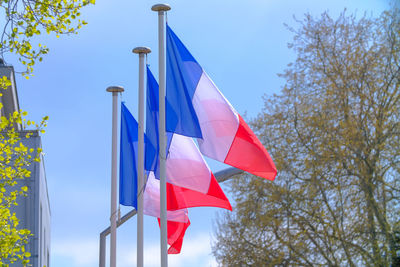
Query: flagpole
(142,51)
(162,9)
(113,218)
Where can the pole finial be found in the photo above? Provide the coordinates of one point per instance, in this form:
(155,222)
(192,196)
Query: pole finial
(161,7)
(114,88)
(141,50)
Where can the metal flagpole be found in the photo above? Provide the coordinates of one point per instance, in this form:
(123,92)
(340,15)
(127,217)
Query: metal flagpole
(142,51)
(161,9)
(113,240)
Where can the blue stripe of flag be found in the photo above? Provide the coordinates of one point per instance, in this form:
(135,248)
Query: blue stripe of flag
(128,157)
(183,75)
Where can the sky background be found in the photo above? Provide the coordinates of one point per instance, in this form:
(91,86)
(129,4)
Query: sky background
(242,45)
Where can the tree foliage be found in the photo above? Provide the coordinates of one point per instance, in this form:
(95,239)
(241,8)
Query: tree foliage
(26,19)
(15,159)
(334,134)
(24,23)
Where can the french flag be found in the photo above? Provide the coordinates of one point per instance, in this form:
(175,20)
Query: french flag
(189,179)
(177,220)
(178,198)
(196,108)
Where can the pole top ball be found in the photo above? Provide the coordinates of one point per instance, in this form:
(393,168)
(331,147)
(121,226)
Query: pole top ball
(141,50)
(161,7)
(116,89)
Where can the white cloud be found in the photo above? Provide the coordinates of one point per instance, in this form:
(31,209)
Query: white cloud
(126,255)
(76,252)
(196,251)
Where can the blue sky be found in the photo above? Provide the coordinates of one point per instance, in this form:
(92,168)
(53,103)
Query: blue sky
(242,45)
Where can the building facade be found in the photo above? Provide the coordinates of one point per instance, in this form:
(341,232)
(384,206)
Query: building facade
(33,210)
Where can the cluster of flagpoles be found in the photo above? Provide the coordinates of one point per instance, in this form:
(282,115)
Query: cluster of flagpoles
(223,135)
(161,9)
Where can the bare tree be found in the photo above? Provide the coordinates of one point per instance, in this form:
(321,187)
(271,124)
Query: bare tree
(333,133)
